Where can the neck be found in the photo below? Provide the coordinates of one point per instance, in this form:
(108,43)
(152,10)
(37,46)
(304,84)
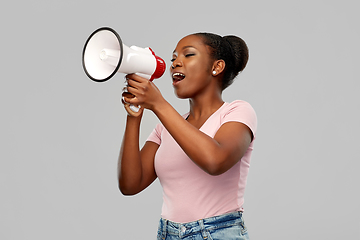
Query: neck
(205,105)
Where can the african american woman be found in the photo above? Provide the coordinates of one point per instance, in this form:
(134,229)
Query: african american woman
(201,158)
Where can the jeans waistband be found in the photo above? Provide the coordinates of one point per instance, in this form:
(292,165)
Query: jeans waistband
(183,229)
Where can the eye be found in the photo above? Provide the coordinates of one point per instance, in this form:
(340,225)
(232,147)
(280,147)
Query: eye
(172,60)
(189,54)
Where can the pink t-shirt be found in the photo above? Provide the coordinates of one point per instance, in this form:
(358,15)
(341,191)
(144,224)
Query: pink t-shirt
(189,193)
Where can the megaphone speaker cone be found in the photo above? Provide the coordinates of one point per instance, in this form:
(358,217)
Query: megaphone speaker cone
(102,54)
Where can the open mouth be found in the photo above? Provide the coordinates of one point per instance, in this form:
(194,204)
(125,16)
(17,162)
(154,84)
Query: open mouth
(178,77)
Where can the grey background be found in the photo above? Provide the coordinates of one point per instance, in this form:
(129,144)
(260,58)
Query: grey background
(61,132)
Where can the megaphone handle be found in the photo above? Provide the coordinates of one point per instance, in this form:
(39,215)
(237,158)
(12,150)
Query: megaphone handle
(132,110)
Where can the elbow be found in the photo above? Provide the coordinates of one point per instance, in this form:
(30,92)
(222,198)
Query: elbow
(214,169)
(216,165)
(126,191)
(219,164)
(209,163)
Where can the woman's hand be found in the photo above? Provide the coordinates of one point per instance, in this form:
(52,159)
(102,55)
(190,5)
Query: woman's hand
(129,107)
(140,92)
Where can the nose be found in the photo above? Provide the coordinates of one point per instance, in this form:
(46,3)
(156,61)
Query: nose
(175,64)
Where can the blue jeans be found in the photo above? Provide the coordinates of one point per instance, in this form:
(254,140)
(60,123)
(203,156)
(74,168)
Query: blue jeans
(227,226)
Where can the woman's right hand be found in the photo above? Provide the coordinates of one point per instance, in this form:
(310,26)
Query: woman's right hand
(143,92)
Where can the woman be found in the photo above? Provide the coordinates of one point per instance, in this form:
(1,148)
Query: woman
(201,158)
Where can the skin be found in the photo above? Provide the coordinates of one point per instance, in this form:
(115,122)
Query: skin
(202,87)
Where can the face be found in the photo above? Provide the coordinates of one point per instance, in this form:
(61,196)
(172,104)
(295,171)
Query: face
(191,67)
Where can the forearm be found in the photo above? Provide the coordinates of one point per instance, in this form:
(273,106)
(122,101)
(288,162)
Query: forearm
(201,148)
(129,165)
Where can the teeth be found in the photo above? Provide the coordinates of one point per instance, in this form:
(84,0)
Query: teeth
(178,75)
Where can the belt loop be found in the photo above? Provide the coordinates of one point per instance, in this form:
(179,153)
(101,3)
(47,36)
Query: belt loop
(164,228)
(202,227)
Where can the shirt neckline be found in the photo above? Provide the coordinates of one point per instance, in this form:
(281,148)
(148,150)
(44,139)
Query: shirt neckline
(225,103)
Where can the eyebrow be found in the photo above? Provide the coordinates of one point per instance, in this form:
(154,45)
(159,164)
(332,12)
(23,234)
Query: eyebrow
(189,46)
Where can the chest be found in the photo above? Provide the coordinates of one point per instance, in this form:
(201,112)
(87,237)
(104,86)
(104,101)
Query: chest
(171,162)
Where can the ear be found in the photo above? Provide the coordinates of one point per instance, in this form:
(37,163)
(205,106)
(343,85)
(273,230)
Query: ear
(218,67)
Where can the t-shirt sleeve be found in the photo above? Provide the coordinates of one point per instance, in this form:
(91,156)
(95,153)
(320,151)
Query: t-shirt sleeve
(155,135)
(241,111)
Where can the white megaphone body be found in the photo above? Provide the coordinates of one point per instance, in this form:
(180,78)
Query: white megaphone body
(104,55)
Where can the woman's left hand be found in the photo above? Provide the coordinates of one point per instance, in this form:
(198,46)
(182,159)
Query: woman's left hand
(145,93)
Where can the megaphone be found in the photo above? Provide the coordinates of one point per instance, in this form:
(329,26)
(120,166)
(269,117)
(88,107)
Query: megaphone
(104,55)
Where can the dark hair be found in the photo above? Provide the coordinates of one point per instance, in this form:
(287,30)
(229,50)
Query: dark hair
(232,49)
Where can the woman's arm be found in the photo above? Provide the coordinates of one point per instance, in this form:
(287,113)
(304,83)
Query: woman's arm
(214,155)
(135,168)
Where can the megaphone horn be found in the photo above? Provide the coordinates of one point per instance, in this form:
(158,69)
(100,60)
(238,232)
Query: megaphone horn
(104,54)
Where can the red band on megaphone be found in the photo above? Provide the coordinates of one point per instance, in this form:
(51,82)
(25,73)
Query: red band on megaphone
(160,67)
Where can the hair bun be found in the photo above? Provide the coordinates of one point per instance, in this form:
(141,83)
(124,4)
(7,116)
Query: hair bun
(240,52)
(232,50)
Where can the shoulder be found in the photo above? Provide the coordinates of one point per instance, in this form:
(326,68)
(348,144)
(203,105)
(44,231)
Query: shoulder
(240,111)
(238,106)
(155,135)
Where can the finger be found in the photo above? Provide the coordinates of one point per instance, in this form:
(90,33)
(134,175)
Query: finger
(133,107)
(135,84)
(136,78)
(132,93)
(126,97)
(132,100)
(131,86)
